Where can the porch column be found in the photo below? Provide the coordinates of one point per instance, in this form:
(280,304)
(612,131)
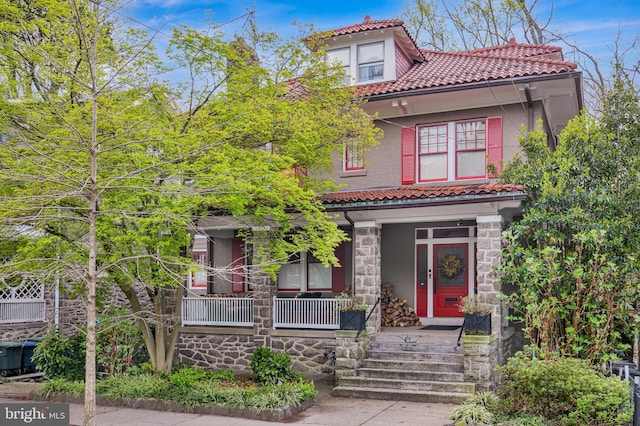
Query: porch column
(366,268)
(489,244)
(264,290)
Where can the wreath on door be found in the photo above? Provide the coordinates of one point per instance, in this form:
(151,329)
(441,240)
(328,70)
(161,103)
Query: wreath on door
(451,266)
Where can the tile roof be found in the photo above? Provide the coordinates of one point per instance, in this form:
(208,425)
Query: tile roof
(367,25)
(436,193)
(442,69)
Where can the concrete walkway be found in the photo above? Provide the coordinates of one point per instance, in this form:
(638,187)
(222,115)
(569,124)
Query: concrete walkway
(327,411)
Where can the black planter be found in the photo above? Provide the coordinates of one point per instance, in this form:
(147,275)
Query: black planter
(352,320)
(478,324)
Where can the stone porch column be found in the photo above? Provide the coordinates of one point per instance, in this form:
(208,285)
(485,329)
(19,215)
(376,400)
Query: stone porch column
(264,290)
(489,244)
(367,270)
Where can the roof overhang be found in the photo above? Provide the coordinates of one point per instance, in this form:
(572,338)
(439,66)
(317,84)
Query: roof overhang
(560,94)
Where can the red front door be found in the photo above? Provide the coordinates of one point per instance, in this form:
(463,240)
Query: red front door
(450,278)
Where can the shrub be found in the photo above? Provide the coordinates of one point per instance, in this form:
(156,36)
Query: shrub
(269,367)
(60,358)
(472,413)
(118,346)
(138,386)
(568,391)
(61,385)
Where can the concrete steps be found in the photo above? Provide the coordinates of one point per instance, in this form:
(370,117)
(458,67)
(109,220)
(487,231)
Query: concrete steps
(409,371)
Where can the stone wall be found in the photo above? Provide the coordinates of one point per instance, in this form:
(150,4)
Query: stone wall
(349,352)
(231,348)
(230,351)
(309,355)
(23,331)
(480,360)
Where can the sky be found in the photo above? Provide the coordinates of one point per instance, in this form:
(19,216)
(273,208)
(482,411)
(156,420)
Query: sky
(592,24)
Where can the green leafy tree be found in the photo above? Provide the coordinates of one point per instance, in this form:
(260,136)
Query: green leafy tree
(571,263)
(109,170)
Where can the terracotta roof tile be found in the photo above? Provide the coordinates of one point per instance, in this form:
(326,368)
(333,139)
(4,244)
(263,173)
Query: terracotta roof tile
(367,25)
(417,193)
(446,69)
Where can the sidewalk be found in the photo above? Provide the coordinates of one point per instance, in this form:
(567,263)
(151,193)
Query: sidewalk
(328,411)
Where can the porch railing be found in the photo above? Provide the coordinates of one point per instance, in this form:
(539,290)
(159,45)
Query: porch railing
(306,313)
(217,311)
(15,311)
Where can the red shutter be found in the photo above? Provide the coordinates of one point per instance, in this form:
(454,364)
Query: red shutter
(408,155)
(237,264)
(337,274)
(494,144)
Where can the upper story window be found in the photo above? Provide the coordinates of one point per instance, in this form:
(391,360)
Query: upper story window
(470,149)
(353,156)
(342,56)
(452,151)
(370,62)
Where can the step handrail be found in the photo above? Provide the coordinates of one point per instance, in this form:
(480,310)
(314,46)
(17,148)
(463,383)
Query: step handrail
(364,324)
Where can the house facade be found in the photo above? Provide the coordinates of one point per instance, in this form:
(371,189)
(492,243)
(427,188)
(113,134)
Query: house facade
(424,210)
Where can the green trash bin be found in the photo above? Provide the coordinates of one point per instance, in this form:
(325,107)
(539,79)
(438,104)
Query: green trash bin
(28,365)
(10,358)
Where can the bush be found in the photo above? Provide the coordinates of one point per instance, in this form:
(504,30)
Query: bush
(61,385)
(269,367)
(138,386)
(60,358)
(118,347)
(568,391)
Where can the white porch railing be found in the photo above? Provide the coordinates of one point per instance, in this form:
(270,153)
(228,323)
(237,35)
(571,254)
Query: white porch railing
(217,311)
(306,313)
(14,311)
(23,302)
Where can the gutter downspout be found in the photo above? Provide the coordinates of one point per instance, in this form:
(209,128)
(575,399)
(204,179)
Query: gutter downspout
(353,252)
(527,93)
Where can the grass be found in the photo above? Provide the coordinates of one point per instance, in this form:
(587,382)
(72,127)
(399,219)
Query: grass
(194,387)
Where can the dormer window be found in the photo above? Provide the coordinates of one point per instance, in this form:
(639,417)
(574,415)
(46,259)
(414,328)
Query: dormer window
(341,56)
(370,62)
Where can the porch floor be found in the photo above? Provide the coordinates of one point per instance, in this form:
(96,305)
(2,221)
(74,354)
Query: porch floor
(415,334)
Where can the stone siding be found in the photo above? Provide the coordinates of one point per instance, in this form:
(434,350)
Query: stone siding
(216,351)
(309,355)
(24,331)
(217,348)
(480,360)
(367,270)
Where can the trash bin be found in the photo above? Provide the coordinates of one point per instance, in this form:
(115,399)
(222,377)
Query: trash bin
(10,358)
(28,365)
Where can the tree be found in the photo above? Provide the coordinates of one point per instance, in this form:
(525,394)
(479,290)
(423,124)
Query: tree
(110,169)
(570,265)
(475,24)
(466,25)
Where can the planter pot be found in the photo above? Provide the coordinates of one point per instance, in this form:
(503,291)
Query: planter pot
(352,320)
(475,324)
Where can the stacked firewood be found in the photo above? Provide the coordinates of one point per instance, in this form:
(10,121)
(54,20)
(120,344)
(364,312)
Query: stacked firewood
(395,311)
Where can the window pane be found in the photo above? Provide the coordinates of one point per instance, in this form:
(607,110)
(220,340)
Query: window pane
(451,233)
(289,276)
(339,55)
(470,135)
(319,276)
(371,72)
(433,166)
(471,164)
(433,139)
(354,156)
(373,52)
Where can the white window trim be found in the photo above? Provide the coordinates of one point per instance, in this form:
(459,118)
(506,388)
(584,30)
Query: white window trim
(451,151)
